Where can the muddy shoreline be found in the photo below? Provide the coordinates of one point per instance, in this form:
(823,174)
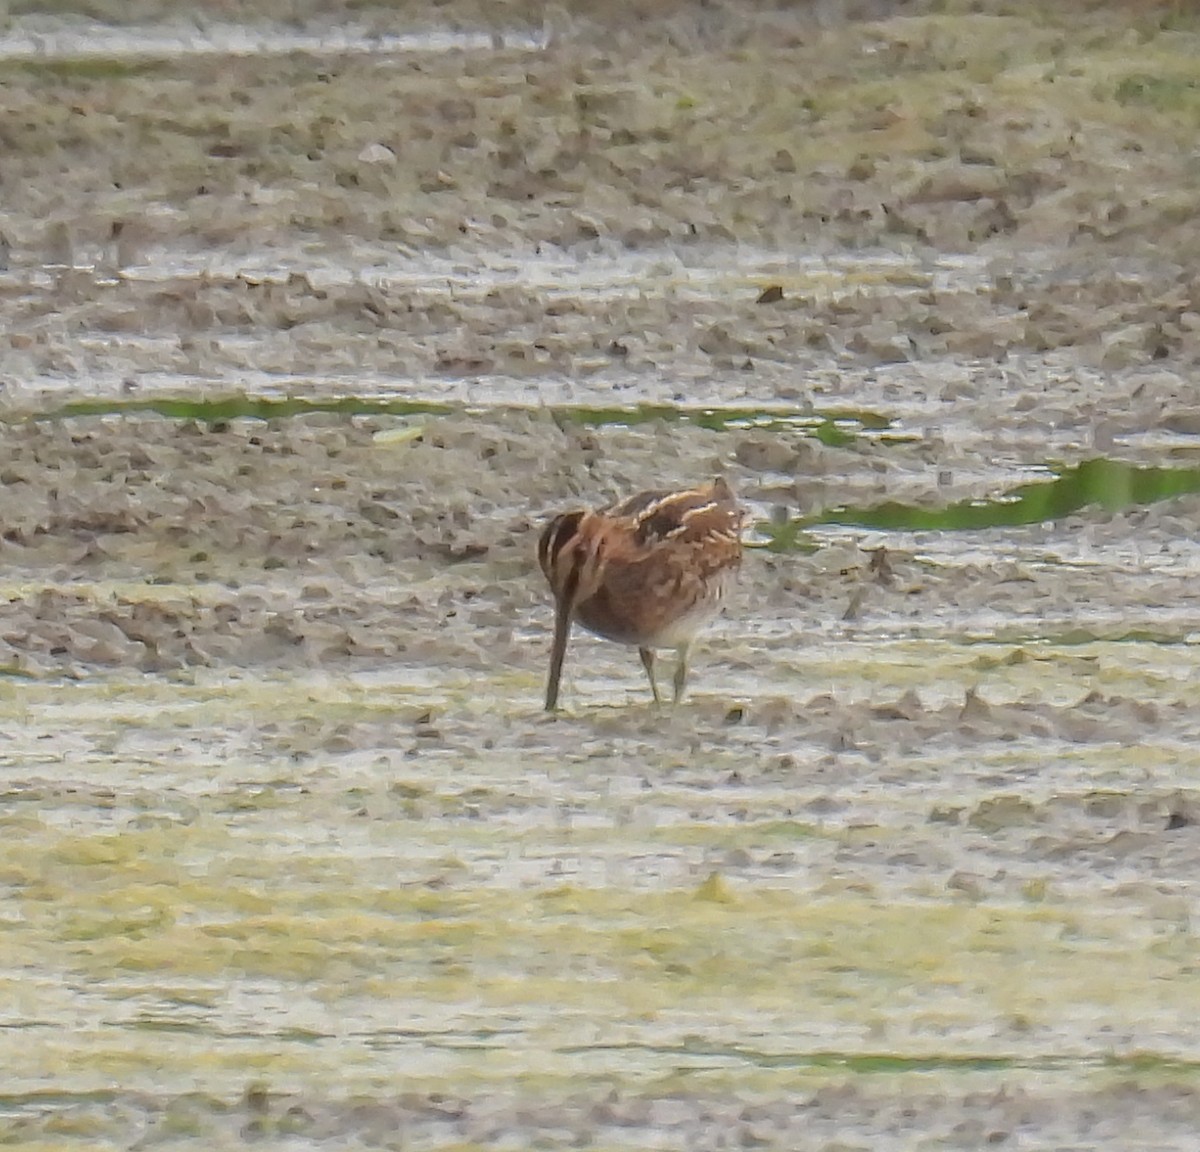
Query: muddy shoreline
(290,849)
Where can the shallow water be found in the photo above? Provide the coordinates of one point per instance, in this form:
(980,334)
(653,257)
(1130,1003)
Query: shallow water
(58,43)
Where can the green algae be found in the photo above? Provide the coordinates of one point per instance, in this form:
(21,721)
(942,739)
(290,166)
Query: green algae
(244,407)
(140,911)
(83,69)
(832,427)
(893,1064)
(1178,93)
(1111,485)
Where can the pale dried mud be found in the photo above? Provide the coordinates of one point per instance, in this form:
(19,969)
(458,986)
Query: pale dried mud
(291,854)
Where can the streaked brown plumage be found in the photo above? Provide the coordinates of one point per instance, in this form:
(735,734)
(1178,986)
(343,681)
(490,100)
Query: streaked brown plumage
(650,571)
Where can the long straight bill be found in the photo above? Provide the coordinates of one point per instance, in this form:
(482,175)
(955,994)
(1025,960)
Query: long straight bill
(564,609)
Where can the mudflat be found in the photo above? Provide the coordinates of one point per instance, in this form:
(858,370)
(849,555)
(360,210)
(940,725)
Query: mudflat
(310,318)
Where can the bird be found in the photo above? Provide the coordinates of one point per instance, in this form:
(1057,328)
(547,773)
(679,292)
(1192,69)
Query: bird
(651,571)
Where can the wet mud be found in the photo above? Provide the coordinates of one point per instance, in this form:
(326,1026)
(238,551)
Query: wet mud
(302,353)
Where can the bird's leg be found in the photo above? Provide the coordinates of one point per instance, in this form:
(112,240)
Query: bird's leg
(647,655)
(681,670)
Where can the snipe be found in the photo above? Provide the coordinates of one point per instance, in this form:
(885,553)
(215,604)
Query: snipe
(650,571)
